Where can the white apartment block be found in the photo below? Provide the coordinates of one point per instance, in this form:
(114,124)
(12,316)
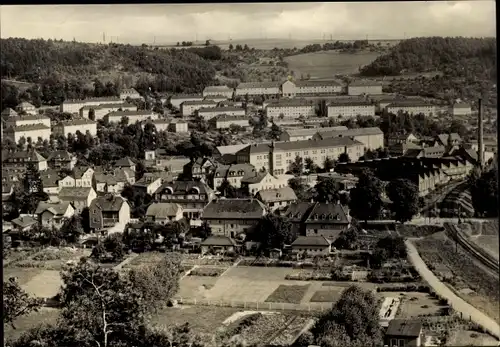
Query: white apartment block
(364,87)
(102,110)
(310,87)
(33,131)
(460,109)
(177,100)
(350,109)
(26,107)
(26,120)
(74,106)
(133,116)
(225,122)
(160,124)
(258,88)
(189,108)
(306,134)
(209,113)
(130,93)
(218,90)
(277,157)
(178,126)
(72,126)
(215,98)
(290,109)
(372,138)
(412,107)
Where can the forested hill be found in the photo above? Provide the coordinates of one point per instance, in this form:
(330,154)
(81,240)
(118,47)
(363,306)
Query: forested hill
(168,70)
(470,58)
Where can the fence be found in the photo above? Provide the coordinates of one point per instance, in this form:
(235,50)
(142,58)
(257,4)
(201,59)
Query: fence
(256,305)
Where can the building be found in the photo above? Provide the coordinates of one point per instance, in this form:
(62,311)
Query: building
(231,217)
(74,106)
(460,109)
(160,124)
(327,220)
(159,160)
(224,121)
(413,107)
(291,109)
(260,180)
(26,107)
(292,89)
(177,100)
(148,185)
(199,169)
(178,126)
(80,177)
(402,332)
(232,173)
(8,113)
(209,113)
(268,89)
(72,126)
(217,244)
(132,116)
(53,214)
(345,109)
(402,138)
(50,180)
(372,138)
(102,110)
(217,98)
(360,87)
(218,90)
(125,162)
(306,134)
(23,223)
(278,156)
(19,160)
(62,160)
(276,198)
(26,120)
(113,182)
(164,212)
(311,245)
(32,131)
(452,139)
(130,93)
(108,211)
(80,197)
(193,196)
(189,108)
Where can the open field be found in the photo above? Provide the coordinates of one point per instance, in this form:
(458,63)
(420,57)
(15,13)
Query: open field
(146,258)
(413,304)
(484,235)
(51,258)
(23,275)
(44,285)
(327,64)
(470,338)
(23,324)
(292,294)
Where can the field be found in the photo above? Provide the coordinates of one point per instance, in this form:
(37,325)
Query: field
(144,259)
(471,338)
(22,324)
(292,294)
(327,64)
(415,304)
(484,235)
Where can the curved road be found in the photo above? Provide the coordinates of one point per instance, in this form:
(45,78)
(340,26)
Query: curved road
(457,303)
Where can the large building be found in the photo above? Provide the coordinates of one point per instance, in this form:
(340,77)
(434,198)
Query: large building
(74,106)
(258,88)
(26,120)
(224,121)
(310,87)
(32,131)
(103,109)
(291,109)
(277,157)
(72,126)
(218,90)
(371,138)
(189,108)
(177,100)
(209,113)
(132,116)
(130,93)
(26,107)
(460,109)
(412,107)
(306,134)
(361,87)
(345,109)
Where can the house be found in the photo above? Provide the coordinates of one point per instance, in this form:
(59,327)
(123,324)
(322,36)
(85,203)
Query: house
(80,177)
(345,109)
(72,126)
(257,181)
(372,138)
(53,214)
(290,109)
(404,138)
(19,160)
(311,245)
(209,113)
(108,211)
(401,332)
(412,107)
(31,131)
(164,212)
(158,159)
(8,113)
(310,88)
(217,244)
(112,182)
(102,110)
(218,90)
(178,126)
(460,109)
(130,93)
(74,105)
(297,213)
(50,180)
(26,107)
(62,160)
(276,198)
(224,121)
(26,120)
(177,100)
(232,173)
(199,168)
(23,223)
(148,184)
(193,196)
(306,134)
(160,124)
(452,139)
(268,89)
(360,87)
(125,162)
(131,116)
(79,197)
(231,217)
(327,220)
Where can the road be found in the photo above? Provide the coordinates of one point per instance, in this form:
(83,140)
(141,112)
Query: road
(457,303)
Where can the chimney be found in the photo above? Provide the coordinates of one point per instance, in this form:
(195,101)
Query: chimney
(480,143)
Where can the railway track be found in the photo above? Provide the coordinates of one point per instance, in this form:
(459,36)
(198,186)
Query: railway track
(482,256)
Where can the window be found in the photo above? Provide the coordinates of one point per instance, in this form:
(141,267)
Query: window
(401,343)
(394,343)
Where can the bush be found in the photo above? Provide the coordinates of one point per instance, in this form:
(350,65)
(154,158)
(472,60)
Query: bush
(405,288)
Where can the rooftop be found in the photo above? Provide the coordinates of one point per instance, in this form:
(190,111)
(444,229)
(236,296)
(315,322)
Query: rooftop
(28,127)
(108,203)
(220,109)
(57,208)
(234,209)
(76,193)
(409,103)
(226,118)
(327,213)
(215,89)
(351,132)
(77,121)
(244,85)
(346,102)
(218,240)
(199,103)
(300,145)
(291,103)
(311,241)
(9,112)
(128,113)
(314,83)
(163,209)
(279,194)
(401,327)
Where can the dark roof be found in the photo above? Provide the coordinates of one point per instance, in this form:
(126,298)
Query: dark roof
(298,211)
(128,113)
(220,109)
(254,177)
(28,127)
(27,117)
(401,327)
(313,83)
(351,132)
(443,138)
(58,208)
(29,156)
(350,102)
(9,112)
(125,162)
(311,241)
(310,132)
(217,89)
(409,103)
(108,203)
(239,170)
(279,194)
(76,193)
(182,187)
(327,213)
(60,155)
(258,85)
(79,171)
(24,221)
(461,105)
(234,209)
(226,118)
(218,240)
(198,103)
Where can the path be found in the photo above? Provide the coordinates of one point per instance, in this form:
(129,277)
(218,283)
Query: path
(457,303)
(126,261)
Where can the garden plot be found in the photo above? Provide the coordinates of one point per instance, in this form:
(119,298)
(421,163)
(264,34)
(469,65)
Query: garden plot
(196,287)
(291,294)
(145,259)
(471,338)
(413,304)
(51,258)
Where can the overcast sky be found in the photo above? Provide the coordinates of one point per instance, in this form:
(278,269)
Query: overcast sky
(177,22)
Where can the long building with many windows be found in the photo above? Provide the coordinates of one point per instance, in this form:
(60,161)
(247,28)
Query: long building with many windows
(345,109)
(72,126)
(412,107)
(290,109)
(310,87)
(258,88)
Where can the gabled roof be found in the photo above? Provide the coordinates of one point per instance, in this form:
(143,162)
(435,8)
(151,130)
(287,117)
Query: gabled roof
(182,187)
(350,102)
(216,89)
(32,156)
(108,203)
(310,132)
(109,179)
(275,195)
(24,221)
(240,170)
(79,171)
(9,112)
(60,155)
(311,241)
(327,213)
(402,327)
(49,178)
(258,85)
(58,208)
(443,138)
(298,211)
(234,209)
(255,177)
(218,240)
(163,209)
(461,105)
(74,193)
(125,162)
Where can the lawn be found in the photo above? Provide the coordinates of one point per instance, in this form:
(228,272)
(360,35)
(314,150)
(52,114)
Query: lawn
(414,304)
(470,338)
(46,284)
(23,324)
(291,294)
(23,275)
(327,64)
(51,258)
(146,258)
(208,271)
(330,295)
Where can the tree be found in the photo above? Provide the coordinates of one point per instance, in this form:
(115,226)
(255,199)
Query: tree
(365,197)
(484,192)
(348,239)
(114,245)
(72,229)
(327,190)
(16,302)
(275,132)
(310,165)
(298,186)
(344,158)
(230,192)
(230,48)
(328,164)
(32,189)
(404,196)
(273,231)
(297,167)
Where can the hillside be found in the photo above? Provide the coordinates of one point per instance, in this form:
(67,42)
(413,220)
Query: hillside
(166,70)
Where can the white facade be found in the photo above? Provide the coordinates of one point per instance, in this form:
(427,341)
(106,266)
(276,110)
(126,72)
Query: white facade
(33,131)
(218,90)
(291,89)
(102,110)
(71,127)
(178,127)
(264,88)
(290,111)
(133,116)
(225,122)
(189,108)
(74,106)
(461,110)
(26,107)
(27,120)
(352,110)
(176,101)
(209,113)
(160,124)
(364,89)
(425,109)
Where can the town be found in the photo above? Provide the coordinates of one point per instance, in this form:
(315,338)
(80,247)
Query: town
(279,211)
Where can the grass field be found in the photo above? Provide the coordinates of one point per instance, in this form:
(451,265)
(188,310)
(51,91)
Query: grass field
(331,295)
(470,338)
(291,294)
(23,324)
(146,258)
(327,64)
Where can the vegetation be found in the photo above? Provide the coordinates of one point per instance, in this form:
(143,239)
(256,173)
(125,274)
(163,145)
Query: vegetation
(404,196)
(16,302)
(484,192)
(365,197)
(273,231)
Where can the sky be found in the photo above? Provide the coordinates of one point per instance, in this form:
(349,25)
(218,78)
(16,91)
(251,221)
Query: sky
(167,23)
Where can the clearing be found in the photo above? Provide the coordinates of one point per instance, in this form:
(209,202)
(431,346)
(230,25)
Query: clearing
(327,64)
